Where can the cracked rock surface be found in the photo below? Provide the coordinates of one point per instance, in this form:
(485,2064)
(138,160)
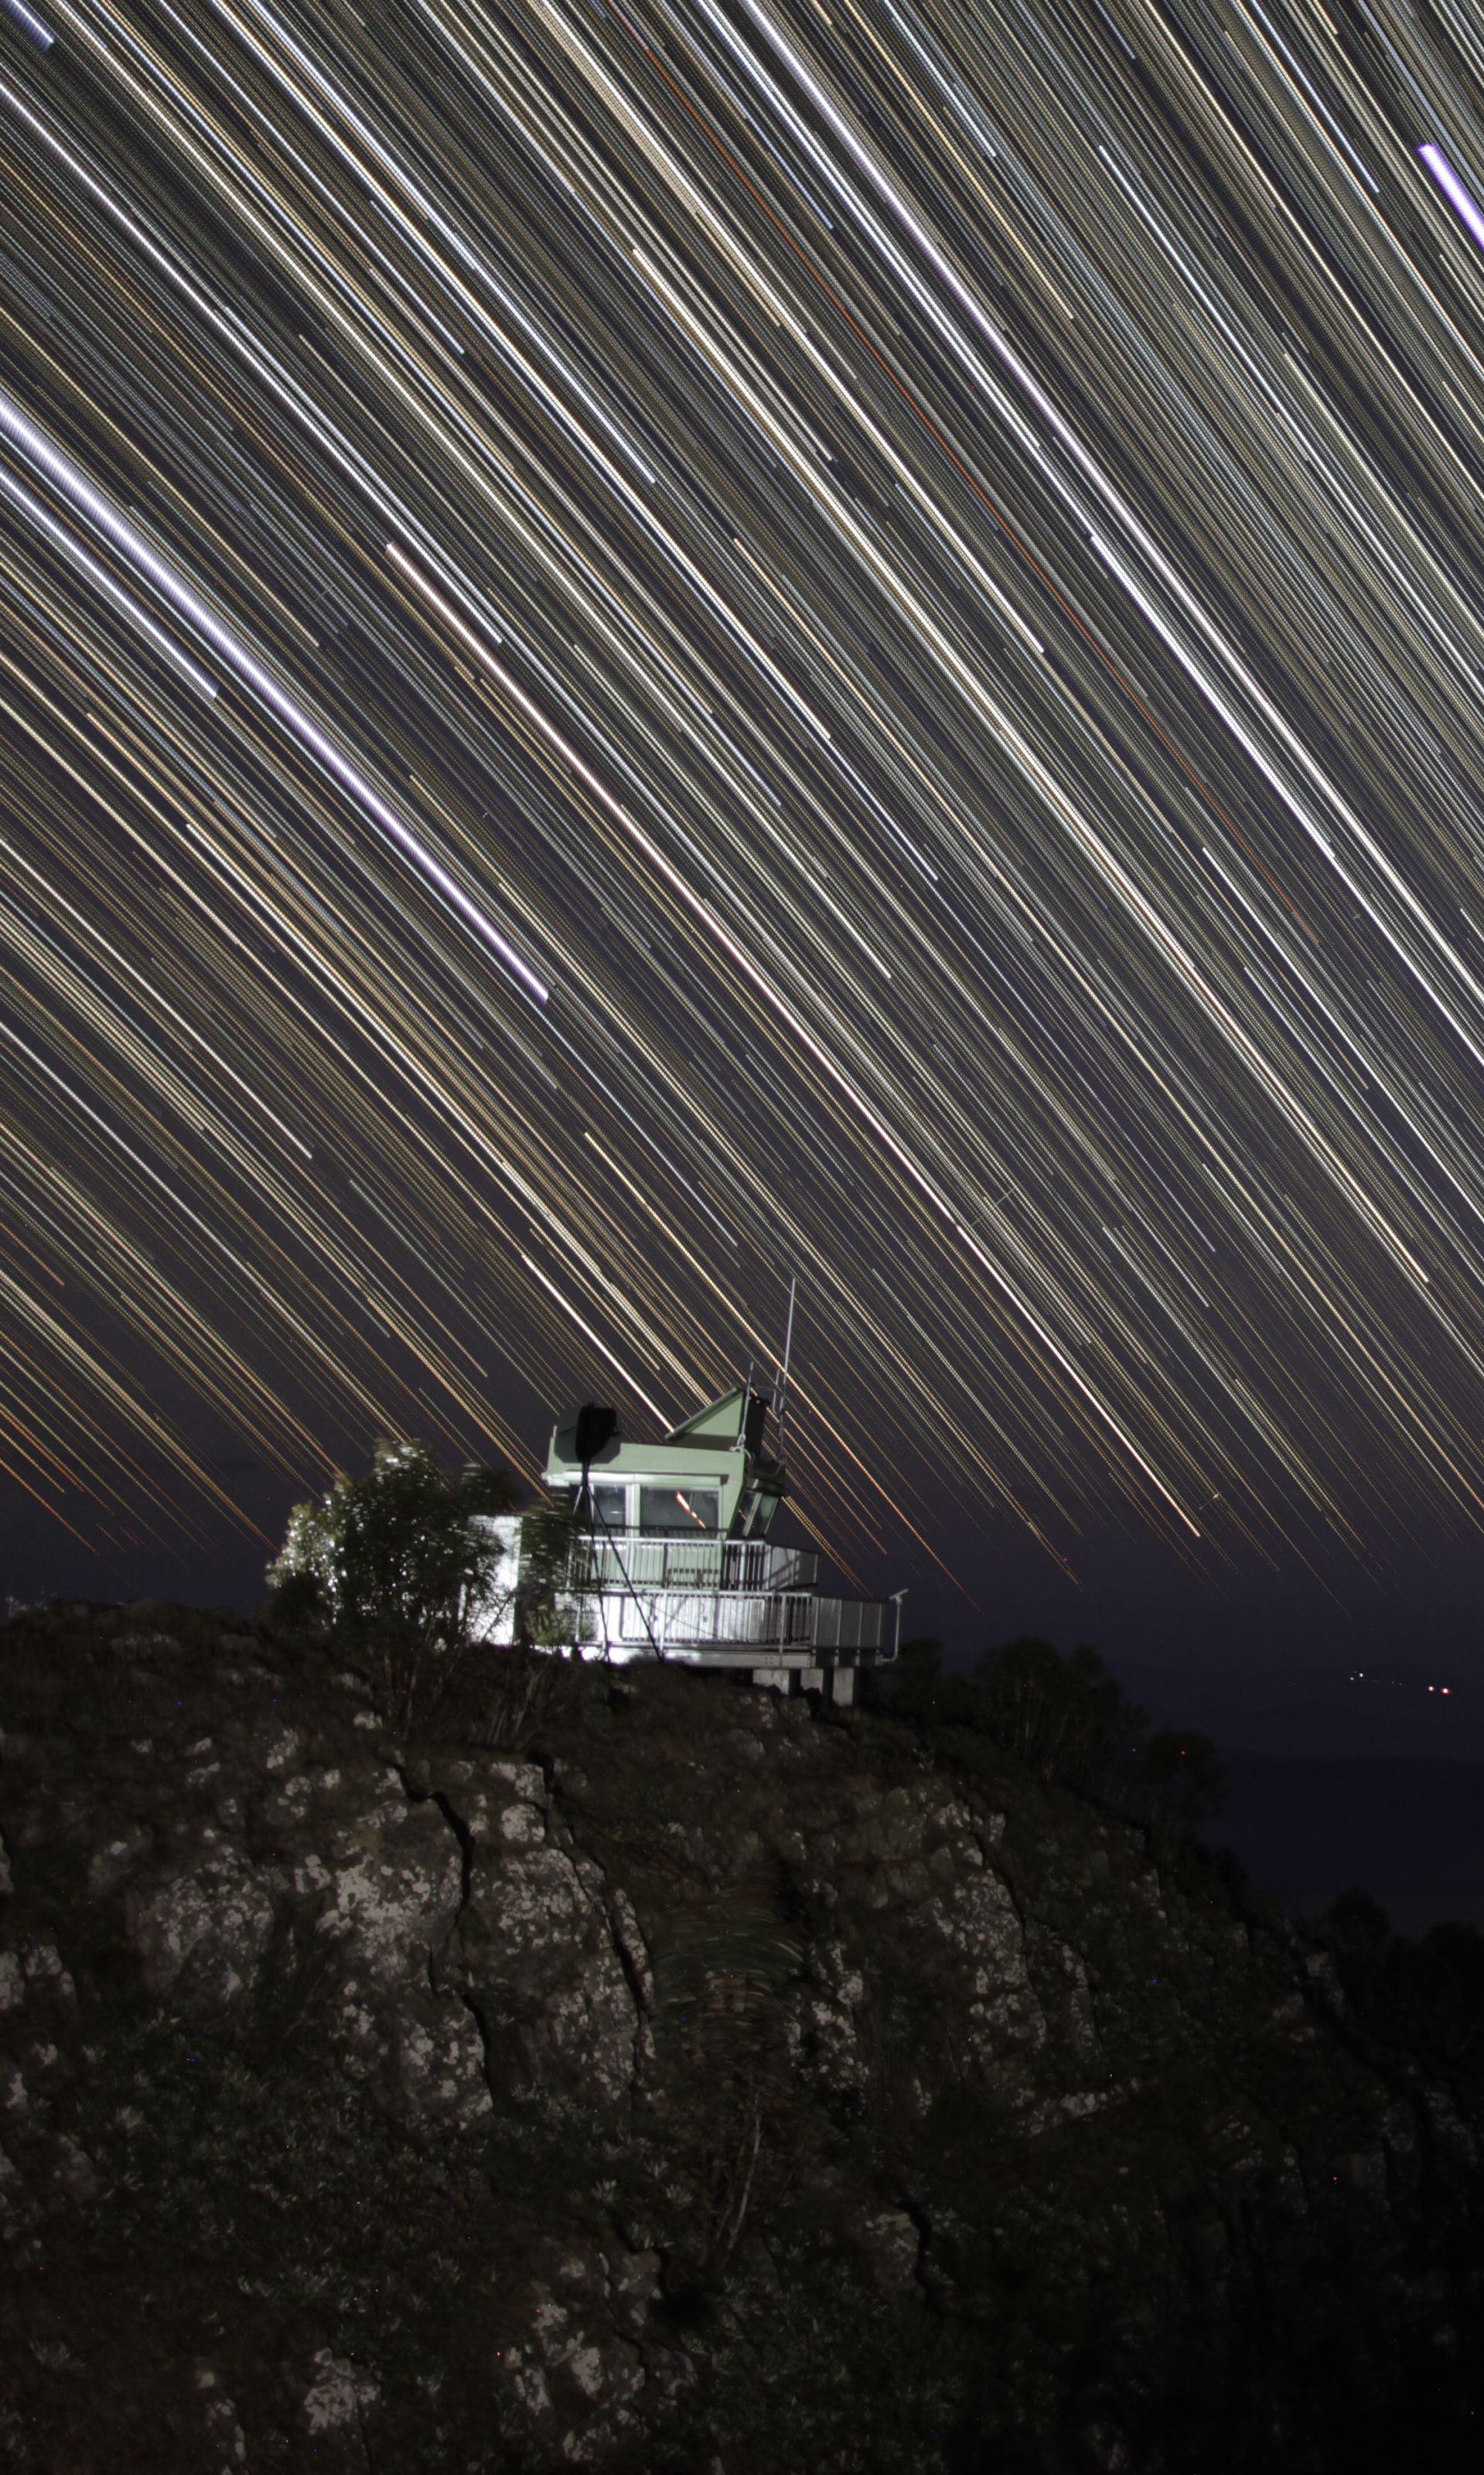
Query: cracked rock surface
(699,2083)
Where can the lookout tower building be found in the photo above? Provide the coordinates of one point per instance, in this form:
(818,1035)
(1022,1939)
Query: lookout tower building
(671,1556)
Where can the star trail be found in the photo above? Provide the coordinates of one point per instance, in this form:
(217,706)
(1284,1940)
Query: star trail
(649,649)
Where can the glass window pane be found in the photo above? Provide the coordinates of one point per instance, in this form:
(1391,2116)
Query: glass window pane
(664,1513)
(608,1509)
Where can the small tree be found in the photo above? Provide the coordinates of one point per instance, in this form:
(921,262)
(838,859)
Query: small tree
(1068,1722)
(1066,1719)
(1176,1780)
(1357,1923)
(396,1564)
(914,1685)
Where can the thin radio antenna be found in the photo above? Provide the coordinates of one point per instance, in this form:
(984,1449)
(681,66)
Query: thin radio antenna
(781,1388)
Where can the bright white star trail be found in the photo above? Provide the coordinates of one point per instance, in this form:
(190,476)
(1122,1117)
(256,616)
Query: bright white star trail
(645,649)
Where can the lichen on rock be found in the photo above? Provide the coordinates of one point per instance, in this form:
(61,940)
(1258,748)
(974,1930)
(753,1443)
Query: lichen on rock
(714,2082)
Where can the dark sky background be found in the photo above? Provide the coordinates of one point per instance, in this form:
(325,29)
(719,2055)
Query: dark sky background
(643,652)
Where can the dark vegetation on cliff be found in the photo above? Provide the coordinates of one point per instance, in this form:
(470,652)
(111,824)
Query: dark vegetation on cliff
(628,2070)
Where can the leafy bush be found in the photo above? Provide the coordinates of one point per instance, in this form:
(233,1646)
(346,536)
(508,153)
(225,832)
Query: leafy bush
(501,1698)
(1426,1997)
(544,1613)
(395,1565)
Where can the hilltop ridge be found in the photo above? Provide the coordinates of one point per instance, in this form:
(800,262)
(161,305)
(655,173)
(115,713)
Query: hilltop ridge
(638,2072)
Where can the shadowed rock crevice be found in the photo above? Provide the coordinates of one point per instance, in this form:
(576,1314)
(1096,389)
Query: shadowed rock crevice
(442,1979)
(710,2085)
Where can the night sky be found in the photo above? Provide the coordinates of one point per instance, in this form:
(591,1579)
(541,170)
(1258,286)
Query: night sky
(645,649)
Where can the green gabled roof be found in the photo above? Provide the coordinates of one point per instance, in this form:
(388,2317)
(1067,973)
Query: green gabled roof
(717,1423)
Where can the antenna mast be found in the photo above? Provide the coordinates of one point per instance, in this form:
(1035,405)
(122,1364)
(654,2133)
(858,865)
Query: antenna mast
(746,1404)
(781,1387)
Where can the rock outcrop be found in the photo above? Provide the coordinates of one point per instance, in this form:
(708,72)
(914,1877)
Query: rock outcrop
(701,2082)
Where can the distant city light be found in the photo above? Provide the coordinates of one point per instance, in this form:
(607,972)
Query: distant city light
(1362,1674)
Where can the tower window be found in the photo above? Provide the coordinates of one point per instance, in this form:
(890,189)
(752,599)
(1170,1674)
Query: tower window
(610,1510)
(670,1513)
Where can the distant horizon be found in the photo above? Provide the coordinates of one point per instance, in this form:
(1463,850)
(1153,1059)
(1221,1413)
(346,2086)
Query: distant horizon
(1266,1646)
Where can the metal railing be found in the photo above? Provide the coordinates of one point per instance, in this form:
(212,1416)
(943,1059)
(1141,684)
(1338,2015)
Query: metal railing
(635,1593)
(700,1563)
(770,1620)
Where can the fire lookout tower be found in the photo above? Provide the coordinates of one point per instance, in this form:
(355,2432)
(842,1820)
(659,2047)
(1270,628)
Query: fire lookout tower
(671,1556)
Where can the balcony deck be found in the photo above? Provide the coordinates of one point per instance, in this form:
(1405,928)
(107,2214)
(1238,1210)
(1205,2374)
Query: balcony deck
(681,1623)
(707,1600)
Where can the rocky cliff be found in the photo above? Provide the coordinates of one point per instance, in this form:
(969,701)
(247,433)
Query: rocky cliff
(639,2072)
